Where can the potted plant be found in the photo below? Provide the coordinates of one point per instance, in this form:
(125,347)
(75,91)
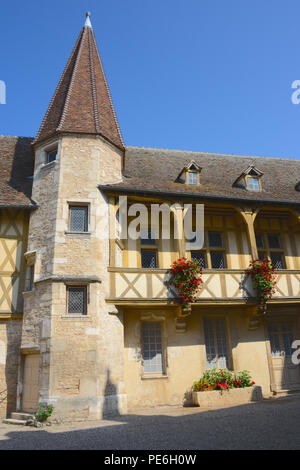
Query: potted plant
(225,388)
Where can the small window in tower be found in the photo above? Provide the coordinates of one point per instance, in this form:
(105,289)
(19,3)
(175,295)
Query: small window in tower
(29,278)
(77,300)
(78,219)
(51,156)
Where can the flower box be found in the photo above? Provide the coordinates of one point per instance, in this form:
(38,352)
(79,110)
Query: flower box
(233,396)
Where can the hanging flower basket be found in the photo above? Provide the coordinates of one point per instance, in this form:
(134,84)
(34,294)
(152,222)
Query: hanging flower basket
(186,278)
(264,280)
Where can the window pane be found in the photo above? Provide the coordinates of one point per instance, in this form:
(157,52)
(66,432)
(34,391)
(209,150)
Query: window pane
(77,300)
(51,156)
(211,358)
(277,260)
(216,352)
(78,219)
(274,341)
(152,347)
(192,178)
(288,339)
(215,239)
(261,255)
(200,256)
(29,278)
(217,260)
(253,184)
(222,343)
(274,241)
(259,241)
(149,259)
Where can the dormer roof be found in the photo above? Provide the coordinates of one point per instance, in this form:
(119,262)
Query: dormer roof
(251,170)
(192,165)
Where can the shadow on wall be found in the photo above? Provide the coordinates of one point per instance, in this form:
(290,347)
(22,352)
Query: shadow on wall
(110,406)
(8,389)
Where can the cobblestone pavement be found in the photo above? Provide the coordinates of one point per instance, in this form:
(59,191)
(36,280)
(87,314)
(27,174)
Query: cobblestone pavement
(271,424)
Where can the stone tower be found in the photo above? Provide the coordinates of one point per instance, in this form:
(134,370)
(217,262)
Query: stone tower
(72,347)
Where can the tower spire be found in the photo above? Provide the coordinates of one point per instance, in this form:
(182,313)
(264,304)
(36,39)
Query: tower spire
(82,102)
(88,21)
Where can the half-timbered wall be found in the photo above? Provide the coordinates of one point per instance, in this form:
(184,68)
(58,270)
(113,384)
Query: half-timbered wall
(13,243)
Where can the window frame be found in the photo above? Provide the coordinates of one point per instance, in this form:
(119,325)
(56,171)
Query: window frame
(207,249)
(258,178)
(86,299)
(267,251)
(149,247)
(187,177)
(154,250)
(163,372)
(228,340)
(48,152)
(29,278)
(79,205)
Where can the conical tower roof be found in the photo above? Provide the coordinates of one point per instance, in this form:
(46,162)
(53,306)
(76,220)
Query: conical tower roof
(82,102)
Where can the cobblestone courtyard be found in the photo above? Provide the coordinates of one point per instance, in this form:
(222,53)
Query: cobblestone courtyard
(272,424)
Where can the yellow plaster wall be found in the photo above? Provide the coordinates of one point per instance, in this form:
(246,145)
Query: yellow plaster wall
(186,356)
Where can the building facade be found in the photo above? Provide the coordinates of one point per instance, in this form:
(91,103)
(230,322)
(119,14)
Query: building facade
(88,321)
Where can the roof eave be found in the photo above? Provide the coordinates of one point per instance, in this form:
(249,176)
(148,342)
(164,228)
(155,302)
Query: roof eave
(174,194)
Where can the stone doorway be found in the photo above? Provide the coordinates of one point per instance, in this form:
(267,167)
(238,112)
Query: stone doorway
(31,382)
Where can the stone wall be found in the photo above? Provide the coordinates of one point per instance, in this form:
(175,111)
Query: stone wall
(81,367)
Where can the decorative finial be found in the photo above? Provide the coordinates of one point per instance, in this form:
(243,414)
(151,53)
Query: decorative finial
(88,21)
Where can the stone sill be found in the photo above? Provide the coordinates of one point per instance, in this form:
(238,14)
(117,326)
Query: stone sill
(76,317)
(28,292)
(150,377)
(30,349)
(48,165)
(78,233)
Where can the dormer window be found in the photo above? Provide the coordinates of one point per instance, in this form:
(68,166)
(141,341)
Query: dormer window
(253,183)
(250,179)
(192,177)
(190,174)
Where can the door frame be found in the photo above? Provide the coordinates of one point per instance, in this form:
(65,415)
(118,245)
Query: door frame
(23,360)
(294,319)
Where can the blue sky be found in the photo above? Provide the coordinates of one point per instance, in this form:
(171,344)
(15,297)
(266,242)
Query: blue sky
(213,76)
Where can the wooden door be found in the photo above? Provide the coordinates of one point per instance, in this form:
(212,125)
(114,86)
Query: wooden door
(31,382)
(286,375)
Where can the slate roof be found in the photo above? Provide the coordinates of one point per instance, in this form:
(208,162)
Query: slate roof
(16,166)
(155,171)
(82,102)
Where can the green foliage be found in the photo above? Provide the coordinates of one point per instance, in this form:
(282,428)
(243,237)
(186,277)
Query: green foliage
(44,412)
(222,379)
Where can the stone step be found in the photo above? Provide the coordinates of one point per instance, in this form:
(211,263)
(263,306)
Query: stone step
(20,422)
(22,415)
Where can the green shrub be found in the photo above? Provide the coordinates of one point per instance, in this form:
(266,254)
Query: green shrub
(44,411)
